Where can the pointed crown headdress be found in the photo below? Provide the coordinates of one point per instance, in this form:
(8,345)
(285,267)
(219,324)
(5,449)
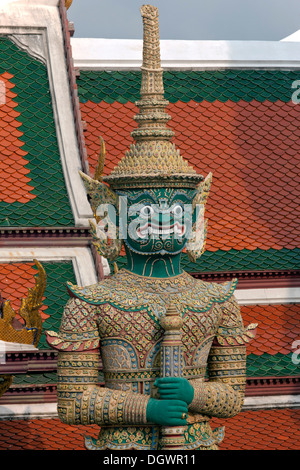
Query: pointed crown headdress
(153,160)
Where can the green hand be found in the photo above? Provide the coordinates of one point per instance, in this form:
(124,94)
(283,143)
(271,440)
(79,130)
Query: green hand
(166,412)
(175,388)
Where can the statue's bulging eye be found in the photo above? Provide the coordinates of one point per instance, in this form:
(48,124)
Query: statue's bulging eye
(177,210)
(146,211)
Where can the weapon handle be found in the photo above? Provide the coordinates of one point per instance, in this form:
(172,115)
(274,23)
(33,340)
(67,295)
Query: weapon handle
(172,366)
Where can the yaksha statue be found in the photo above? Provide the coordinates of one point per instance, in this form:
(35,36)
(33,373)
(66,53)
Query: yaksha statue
(172,347)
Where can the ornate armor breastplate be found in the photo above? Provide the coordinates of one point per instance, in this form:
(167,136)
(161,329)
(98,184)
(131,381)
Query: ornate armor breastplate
(130,346)
(129,310)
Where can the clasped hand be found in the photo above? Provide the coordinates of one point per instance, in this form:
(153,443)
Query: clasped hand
(176,394)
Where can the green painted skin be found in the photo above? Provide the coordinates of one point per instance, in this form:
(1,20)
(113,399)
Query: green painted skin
(158,255)
(167,211)
(153,266)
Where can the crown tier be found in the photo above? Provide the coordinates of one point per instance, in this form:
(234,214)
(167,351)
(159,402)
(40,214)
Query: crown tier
(153,160)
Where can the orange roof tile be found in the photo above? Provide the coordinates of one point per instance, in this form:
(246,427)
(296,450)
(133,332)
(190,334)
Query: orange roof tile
(13,182)
(15,281)
(113,122)
(43,434)
(247,146)
(275,429)
(278,327)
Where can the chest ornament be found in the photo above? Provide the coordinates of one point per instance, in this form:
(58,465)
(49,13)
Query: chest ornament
(130,292)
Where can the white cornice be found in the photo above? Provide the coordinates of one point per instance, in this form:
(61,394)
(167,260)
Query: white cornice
(81,257)
(28,411)
(271,402)
(116,54)
(48,3)
(284,295)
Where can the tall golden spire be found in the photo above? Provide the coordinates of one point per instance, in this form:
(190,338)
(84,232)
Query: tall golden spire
(152,117)
(153,160)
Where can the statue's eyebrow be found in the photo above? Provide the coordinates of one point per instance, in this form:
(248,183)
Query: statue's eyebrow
(141,196)
(183,195)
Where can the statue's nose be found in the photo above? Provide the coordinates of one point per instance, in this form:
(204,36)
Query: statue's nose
(161,218)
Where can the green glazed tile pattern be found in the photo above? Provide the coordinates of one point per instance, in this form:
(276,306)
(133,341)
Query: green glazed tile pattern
(266,365)
(221,85)
(244,260)
(235,260)
(51,207)
(56,295)
(37,378)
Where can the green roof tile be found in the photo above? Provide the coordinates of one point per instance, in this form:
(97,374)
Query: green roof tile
(37,378)
(40,142)
(266,365)
(243,260)
(210,85)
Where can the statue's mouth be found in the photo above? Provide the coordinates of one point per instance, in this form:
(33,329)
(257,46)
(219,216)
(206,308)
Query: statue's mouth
(160,230)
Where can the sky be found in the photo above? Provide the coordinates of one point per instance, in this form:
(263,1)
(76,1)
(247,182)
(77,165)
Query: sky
(261,20)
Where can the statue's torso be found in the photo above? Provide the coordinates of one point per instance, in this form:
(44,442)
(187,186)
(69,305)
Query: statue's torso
(130,344)
(127,310)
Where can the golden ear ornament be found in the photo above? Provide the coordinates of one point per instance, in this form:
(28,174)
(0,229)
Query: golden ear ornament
(108,247)
(196,244)
(106,235)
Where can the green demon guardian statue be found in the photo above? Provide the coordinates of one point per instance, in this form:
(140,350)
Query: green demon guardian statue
(172,347)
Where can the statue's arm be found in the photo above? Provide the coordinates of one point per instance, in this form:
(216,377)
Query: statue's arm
(80,399)
(222,395)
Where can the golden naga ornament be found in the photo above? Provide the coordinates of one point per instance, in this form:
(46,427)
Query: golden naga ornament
(68,3)
(5,383)
(30,331)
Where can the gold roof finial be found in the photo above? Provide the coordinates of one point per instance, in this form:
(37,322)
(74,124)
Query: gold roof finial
(153,160)
(68,3)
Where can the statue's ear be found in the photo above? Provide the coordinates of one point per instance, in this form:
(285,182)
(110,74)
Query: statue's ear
(203,191)
(106,234)
(98,193)
(196,244)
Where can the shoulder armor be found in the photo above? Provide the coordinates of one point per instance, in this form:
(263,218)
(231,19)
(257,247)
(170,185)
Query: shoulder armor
(231,331)
(78,330)
(127,291)
(102,292)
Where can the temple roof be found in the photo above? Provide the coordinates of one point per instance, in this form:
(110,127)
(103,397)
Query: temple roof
(239,124)
(31,178)
(234,112)
(266,430)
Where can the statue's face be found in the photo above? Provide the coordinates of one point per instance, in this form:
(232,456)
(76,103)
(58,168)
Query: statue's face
(159,221)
